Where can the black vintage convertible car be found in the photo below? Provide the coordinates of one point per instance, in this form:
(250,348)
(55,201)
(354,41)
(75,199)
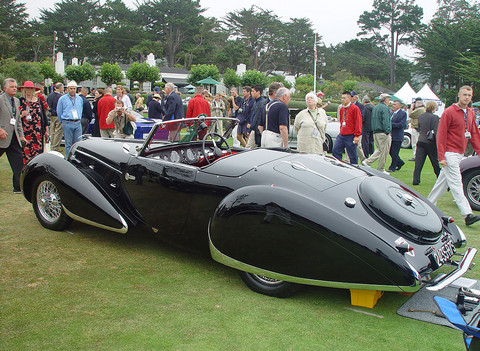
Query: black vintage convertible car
(281,218)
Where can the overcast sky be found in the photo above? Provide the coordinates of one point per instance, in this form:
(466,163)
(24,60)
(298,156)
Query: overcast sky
(335,21)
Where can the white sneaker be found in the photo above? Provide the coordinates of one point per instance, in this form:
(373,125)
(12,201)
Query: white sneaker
(385,172)
(364,162)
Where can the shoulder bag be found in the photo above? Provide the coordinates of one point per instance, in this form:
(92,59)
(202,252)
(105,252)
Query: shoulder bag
(431,133)
(127,128)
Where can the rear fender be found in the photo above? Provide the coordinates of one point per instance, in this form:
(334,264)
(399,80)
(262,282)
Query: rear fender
(80,198)
(278,233)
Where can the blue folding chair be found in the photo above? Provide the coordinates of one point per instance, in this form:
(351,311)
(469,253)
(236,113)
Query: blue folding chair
(471,332)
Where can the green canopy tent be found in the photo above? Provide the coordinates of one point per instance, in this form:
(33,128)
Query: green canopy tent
(476,103)
(208,81)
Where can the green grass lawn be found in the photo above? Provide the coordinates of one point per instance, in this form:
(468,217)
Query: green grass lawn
(90,289)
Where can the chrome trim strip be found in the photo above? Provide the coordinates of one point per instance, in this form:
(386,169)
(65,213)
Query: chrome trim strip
(98,160)
(231,262)
(462,268)
(305,168)
(122,230)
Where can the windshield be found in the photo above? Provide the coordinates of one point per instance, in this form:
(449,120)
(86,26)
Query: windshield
(188,129)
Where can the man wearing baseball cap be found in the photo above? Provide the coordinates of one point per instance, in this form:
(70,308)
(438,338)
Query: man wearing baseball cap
(69,111)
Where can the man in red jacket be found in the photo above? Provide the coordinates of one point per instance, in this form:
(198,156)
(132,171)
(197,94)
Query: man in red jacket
(456,127)
(350,130)
(104,106)
(197,106)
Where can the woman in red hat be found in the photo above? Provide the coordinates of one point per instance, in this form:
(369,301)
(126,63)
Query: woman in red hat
(34,121)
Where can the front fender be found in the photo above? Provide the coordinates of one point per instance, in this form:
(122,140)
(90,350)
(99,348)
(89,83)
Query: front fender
(80,198)
(279,233)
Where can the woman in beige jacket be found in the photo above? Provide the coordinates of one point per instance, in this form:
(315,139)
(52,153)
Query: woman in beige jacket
(310,125)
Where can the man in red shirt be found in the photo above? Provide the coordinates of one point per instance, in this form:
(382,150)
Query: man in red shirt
(197,106)
(350,130)
(456,127)
(104,106)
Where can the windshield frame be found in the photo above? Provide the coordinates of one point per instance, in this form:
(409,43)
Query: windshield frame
(196,121)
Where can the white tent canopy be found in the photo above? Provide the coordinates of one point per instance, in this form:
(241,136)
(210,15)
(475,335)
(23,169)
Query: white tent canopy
(428,95)
(406,94)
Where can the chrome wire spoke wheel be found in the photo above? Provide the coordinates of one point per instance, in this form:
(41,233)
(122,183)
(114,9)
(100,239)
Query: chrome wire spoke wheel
(48,201)
(473,189)
(269,286)
(267,280)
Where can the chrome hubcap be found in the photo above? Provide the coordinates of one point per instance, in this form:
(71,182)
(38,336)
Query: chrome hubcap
(48,201)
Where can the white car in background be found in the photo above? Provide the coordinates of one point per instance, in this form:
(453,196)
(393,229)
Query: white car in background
(407,138)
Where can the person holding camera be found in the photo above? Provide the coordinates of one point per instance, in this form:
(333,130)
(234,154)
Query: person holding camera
(121,118)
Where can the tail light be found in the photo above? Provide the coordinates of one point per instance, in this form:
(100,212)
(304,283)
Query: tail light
(447,220)
(404,247)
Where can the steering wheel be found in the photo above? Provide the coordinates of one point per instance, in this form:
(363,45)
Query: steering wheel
(216,148)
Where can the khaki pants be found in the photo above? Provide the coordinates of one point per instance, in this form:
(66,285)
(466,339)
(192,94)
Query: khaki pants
(415,135)
(56,133)
(382,143)
(271,139)
(107,133)
(251,141)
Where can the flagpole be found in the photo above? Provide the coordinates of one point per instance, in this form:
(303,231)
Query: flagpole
(315,66)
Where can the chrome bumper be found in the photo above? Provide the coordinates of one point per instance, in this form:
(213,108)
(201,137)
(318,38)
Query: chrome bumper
(461,269)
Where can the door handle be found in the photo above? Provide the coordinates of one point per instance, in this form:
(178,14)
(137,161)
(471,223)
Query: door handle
(129,177)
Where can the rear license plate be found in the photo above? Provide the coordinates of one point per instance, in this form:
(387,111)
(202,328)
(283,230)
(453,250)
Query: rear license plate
(443,254)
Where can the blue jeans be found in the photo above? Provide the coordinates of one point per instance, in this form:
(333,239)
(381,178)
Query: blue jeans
(343,142)
(72,131)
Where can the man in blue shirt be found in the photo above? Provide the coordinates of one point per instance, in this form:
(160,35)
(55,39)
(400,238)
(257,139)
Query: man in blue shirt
(69,111)
(274,127)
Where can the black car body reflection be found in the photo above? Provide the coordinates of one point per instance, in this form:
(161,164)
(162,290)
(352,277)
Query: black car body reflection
(280,217)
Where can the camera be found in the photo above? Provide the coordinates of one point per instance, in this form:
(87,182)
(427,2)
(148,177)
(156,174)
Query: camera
(118,108)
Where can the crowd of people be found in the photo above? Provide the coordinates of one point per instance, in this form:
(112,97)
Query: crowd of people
(368,133)
(443,140)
